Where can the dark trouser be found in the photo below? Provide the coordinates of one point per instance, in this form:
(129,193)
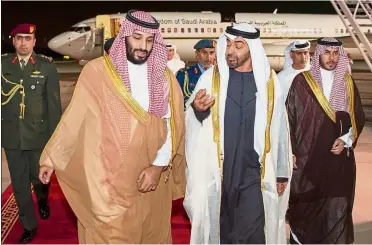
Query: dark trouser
(24,170)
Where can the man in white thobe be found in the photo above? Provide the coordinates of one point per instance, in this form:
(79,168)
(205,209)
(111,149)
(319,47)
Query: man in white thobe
(237,146)
(297,60)
(174,60)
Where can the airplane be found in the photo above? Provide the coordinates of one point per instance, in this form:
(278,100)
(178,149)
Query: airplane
(84,40)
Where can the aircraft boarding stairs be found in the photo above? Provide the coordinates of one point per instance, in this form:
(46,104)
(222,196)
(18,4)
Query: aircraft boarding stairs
(351,13)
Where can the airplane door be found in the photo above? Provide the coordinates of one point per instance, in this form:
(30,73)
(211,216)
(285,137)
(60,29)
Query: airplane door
(104,22)
(116,24)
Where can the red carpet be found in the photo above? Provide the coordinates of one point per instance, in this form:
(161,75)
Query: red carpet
(61,228)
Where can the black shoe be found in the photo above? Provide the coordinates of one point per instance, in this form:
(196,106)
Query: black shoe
(27,235)
(44,211)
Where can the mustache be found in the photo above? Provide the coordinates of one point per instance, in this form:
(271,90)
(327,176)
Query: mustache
(141,50)
(231,55)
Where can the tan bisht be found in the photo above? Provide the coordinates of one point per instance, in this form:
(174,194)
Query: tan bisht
(103,142)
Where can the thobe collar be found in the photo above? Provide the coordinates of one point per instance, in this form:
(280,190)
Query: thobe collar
(327,75)
(136,67)
(299,70)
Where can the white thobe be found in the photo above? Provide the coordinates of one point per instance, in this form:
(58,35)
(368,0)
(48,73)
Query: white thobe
(327,81)
(140,92)
(175,65)
(286,77)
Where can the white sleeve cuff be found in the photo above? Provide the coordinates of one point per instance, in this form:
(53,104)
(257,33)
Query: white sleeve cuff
(165,152)
(348,138)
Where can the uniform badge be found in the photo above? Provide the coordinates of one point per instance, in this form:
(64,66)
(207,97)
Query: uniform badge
(14,59)
(36,72)
(213,44)
(32,86)
(32,60)
(32,29)
(195,70)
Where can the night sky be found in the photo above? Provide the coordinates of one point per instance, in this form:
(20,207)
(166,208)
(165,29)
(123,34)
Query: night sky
(52,18)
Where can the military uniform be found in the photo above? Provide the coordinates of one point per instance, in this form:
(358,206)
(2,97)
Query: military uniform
(188,77)
(31,110)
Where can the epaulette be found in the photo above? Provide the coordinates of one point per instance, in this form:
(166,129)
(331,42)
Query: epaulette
(5,55)
(50,59)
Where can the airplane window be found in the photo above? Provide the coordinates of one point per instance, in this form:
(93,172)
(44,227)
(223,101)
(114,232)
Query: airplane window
(81,29)
(162,30)
(336,30)
(221,30)
(169,30)
(269,30)
(196,30)
(202,30)
(347,31)
(369,31)
(209,30)
(189,30)
(182,30)
(175,30)
(342,30)
(214,30)
(264,30)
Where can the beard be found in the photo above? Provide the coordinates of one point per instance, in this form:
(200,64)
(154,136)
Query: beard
(233,61)
(131,54)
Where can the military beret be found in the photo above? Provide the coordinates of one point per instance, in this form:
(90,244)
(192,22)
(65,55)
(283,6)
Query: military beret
(108,44)
(205,43)
(24,28)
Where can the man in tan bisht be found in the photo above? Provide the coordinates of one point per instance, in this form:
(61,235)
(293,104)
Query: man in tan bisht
(326,119)
(112,148)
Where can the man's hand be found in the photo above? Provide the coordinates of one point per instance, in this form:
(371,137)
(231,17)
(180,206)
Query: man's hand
(338,147)
(202,101)
(281,187)
(149,178)
(294,162)
(44,174)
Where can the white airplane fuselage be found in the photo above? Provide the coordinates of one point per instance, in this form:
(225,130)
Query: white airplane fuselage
(185,29)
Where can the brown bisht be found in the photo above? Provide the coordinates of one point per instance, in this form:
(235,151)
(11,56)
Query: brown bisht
(323,186)
(103,142)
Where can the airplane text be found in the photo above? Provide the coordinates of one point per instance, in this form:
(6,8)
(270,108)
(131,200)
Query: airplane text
(188,22)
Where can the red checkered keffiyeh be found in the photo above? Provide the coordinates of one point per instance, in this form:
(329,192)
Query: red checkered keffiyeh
(156,62)
(338,98)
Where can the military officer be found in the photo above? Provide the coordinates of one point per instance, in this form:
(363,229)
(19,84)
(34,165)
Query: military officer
(31,110)
(205,54)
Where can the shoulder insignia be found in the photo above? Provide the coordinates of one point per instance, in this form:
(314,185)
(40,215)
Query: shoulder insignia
(195,70)
(50,59)
(5,55)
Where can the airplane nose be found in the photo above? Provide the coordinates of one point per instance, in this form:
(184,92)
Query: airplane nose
(68,43)
(55,43)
